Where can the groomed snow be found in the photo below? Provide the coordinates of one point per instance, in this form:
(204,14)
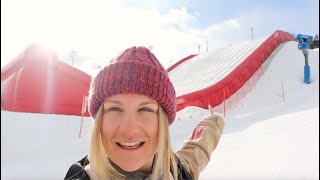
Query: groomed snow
(264,136)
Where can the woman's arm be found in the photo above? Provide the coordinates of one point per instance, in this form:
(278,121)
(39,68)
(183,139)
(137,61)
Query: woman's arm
(196,151)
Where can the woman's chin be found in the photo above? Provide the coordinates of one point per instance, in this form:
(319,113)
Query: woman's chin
(130,168)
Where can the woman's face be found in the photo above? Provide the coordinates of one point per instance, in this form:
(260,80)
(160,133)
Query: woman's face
(130,131)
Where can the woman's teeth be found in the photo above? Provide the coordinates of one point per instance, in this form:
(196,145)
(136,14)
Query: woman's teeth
(130,145)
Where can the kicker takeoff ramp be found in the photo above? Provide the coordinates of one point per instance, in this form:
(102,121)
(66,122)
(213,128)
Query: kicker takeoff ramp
(210,78)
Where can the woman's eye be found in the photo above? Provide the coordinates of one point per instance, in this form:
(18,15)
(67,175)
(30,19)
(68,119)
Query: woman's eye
(114,109)
(146,109)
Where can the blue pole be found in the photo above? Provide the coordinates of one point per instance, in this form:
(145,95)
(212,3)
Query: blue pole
(306,67)
(307,74)
(304,43)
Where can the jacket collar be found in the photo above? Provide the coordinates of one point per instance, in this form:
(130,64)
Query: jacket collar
(130,175)
(135,174)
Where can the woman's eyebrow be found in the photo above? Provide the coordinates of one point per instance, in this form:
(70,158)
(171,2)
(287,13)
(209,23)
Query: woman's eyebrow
(112,101)
(146,103)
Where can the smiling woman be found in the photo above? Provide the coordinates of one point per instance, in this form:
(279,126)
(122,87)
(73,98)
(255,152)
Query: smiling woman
(133,103)
(130,130)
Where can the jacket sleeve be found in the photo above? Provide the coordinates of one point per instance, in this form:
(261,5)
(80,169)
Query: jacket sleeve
(196,151)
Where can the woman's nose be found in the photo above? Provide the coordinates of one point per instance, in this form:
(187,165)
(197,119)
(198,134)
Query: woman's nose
(129,125)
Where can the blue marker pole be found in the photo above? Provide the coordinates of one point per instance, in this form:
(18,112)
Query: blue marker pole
(306,67)
(304,42)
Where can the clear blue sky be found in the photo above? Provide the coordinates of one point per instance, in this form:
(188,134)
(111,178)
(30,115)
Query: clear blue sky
(174,28)
(291,15)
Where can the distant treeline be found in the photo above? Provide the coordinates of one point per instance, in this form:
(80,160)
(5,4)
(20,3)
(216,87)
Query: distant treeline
(315,42)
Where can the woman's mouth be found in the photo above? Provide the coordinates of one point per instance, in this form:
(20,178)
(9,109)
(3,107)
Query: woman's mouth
(130,145)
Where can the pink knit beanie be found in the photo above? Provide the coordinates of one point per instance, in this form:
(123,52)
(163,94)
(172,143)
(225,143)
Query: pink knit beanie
(137,71)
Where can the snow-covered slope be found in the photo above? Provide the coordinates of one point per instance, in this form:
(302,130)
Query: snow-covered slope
(267,137)
(264,137)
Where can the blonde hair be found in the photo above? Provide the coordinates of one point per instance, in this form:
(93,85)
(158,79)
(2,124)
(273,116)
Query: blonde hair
(102,168)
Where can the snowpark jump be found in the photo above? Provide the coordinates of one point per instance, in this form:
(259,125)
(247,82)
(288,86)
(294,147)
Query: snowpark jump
(36,81)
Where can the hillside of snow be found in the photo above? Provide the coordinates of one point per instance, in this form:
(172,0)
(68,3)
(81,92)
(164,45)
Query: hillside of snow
(266,136)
